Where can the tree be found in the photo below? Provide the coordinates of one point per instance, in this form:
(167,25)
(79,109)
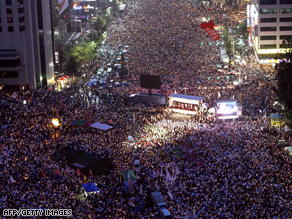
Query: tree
(284,82)
(115,7)
(72,65)
(242,30)
(99,25)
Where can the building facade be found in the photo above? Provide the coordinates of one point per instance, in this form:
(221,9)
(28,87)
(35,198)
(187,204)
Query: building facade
(26,45)
(270,23)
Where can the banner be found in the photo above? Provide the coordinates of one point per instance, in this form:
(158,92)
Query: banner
(62,4)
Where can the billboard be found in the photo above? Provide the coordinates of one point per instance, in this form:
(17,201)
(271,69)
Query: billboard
(227,109)
(150,81)
(62,4)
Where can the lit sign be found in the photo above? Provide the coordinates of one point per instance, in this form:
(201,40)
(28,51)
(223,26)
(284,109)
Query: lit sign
(227,109)
(89,7)
(56,57)
(77,8)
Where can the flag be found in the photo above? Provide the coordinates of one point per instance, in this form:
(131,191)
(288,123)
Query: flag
(90,172)
(240,98)
(170,195)
(78,171)
(53,109)
(57,172)
(219,95)
(167,174)
(141,189)
(161,172)
(177,171)
(62,5)
(130,182)
(60,103)
(233,97)
(175,91)
(84,178)
(96,107)
(14,95)
(12,180)
(43,175)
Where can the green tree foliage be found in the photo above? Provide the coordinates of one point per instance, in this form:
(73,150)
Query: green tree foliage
(115,7)
(99,25)
(242,30)
(284,85)
(72,65)
(81,53)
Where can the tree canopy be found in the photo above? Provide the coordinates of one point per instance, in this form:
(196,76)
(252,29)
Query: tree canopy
(284,82)
(99,25)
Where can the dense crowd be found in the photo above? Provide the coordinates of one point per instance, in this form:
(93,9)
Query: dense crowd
(203,169)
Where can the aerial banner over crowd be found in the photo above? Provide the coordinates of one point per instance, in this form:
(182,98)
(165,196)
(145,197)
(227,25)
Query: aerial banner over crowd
(209,29)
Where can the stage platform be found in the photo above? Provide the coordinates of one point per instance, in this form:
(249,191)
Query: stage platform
(184,111)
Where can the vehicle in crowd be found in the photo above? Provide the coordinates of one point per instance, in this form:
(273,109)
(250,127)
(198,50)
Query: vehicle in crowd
(116,66)
(225,59)
(118,84)
(109,71)
(131,140)
(100,71)
(136,156)
(164,213)
(102,82)
(158,200)
(137,166)
(125,83)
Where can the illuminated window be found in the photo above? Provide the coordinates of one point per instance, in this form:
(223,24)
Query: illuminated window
(8,10)
(285,10)
(10,29)
(268,11)
(283,46)
(20,2)
(9,19)
(268,28)
(268,37)
(268,46)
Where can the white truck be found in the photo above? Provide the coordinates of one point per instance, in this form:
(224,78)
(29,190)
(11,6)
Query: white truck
(158,200)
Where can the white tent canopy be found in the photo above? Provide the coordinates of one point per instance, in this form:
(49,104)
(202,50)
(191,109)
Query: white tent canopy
(101,126)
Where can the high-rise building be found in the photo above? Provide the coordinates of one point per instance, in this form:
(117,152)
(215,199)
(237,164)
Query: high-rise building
(26,44)
(270,24)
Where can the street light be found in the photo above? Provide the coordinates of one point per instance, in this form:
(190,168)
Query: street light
(55,122)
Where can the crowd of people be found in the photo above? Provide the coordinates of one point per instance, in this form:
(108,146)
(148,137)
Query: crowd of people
(203,169)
